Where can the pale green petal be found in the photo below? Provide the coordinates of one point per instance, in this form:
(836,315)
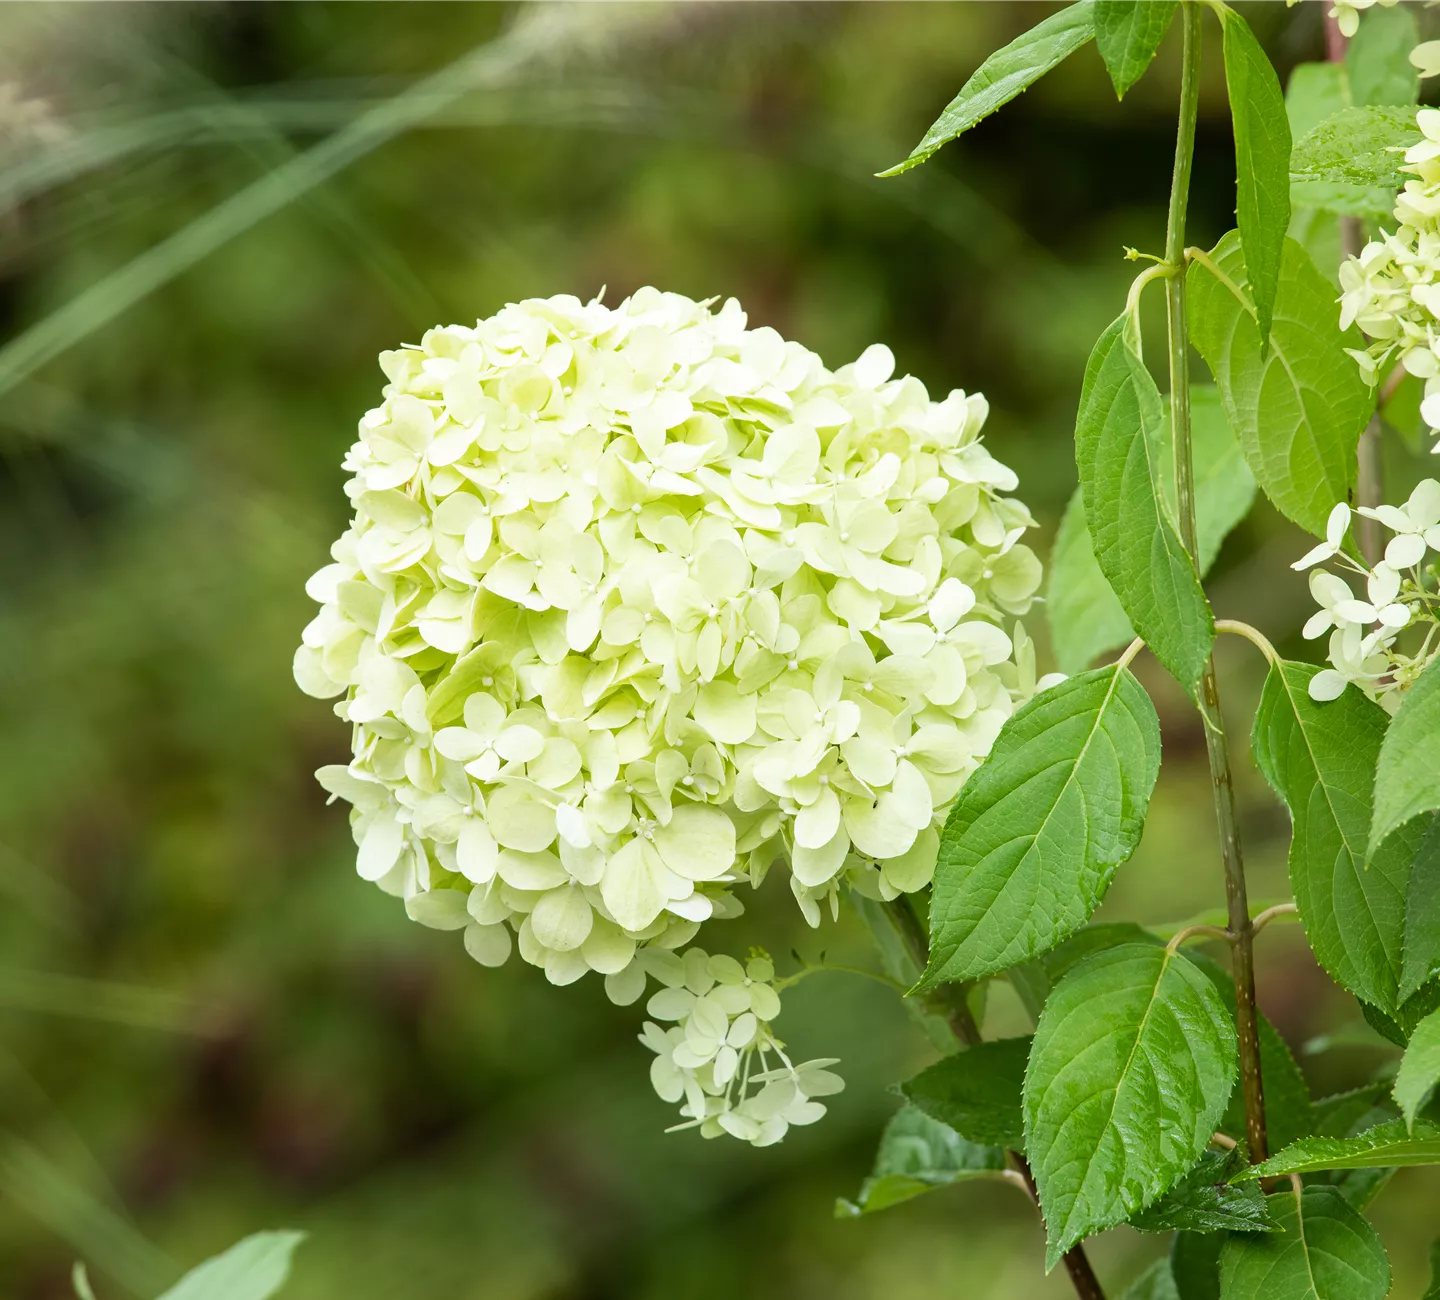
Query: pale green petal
(519,821)
(490,945)
(634,885)
(698,843)
(562,919)
(440,909)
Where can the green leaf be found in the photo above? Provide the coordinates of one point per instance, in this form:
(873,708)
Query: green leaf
(1407,780)
(1377,58)
(1339,1114)
(1004,75)
(253,1269)
(976,1092)
(1262,162)
(1298,411)
(1419,1068)
(1326,1252)
(1315,91)
(1033,841)
(1432,1292)
(1118,453)
(1086,619)
(1386,1146)
(1195,1265)
(1132,1064)
(916,1155)
(1092,939)
(1398,1027)
(1320,759)
(1127,34)
(1203,1202)
(1352,148)
(1318,91)
(1156,1283)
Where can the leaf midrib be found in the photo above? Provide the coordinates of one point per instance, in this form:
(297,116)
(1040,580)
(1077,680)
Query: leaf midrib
(1055,803)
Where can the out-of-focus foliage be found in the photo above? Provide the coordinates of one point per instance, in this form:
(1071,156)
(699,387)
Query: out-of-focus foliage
(207,1025)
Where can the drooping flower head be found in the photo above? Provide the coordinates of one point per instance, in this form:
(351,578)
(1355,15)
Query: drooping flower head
(637,602)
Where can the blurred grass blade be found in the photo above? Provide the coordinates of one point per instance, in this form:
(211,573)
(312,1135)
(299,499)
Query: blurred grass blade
(96,1232)
(85,999)
(157,266)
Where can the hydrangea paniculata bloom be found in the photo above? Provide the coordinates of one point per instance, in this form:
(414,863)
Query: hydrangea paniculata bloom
(720,1055)
(638,602)
(1392,289)
(1383,641)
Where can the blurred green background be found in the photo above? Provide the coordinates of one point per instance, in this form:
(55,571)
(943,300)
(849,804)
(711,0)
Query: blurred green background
(208,1025)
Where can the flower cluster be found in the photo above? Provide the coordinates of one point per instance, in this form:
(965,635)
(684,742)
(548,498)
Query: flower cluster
(1365,634)
(720,1054)
(637,602)
(1392,289)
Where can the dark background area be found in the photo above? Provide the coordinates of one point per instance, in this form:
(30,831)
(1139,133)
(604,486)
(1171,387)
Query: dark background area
(208,1025)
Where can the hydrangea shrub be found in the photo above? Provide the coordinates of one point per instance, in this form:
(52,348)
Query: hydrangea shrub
(639,604)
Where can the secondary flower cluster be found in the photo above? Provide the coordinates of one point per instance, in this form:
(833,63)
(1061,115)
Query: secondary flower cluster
(637,602)
(1392,289)
(720,1054)
(1364,633)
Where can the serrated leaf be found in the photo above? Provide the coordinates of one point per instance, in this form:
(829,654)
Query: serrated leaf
(253,1269)
(1300,410)
(1315,92)
(1262,162)
(1407,779)
(1004,75)
(1377,58)
(1033,841)
(1339,1114)
(1419,1068)
(976,1092)
(1353,148)
(1398,1027)
(916,1155)
(1320,759)
(1086,618)
(1132,1064)
(1118,453)
(1326,1252)
(1386,1146)
(1202,1201)
(1127,34)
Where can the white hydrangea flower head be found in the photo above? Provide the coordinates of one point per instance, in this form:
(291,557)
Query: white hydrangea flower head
(637,602)
(1392,289)
(720,1056)
(1365,635)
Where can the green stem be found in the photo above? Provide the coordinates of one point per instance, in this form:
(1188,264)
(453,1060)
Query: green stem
(1246,1017)
(951,1001)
